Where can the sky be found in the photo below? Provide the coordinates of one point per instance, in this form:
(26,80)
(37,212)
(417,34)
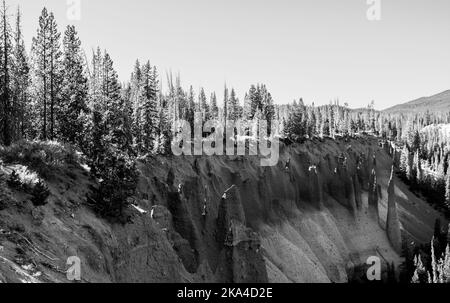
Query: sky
(318,50)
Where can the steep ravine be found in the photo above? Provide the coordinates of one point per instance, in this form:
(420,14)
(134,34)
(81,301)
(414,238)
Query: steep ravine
(308,219)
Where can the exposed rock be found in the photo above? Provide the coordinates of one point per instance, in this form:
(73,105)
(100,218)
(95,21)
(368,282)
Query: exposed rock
(315,188)
(373,196)
(184,225)
(162,217)
(352,196)
(357,188)
(242,260)
(275,208)
(230,209)
(387,147)
(369,162)
(393,223)
(363,171)
(336,186)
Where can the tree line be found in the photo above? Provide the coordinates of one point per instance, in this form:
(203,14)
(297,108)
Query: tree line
(430,263)
(56,93)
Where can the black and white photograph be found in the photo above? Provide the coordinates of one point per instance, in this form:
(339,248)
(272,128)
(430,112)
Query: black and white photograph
(241,144)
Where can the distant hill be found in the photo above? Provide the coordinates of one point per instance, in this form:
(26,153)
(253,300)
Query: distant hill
(436,103)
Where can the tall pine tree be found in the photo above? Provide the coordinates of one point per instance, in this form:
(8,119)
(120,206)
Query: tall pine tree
(46,56)
(5,73)
(74,89)
(20,84)
(149,102)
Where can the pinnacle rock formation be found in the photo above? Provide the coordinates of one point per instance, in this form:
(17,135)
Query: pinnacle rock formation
(315,188)
(392,222)
(241,259)
(352,195)
(357,188)
(373,196)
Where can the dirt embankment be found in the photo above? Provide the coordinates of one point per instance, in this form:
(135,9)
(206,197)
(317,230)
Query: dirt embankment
(220,219)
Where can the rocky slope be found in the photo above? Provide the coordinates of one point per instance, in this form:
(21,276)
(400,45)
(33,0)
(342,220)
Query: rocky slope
(315,217)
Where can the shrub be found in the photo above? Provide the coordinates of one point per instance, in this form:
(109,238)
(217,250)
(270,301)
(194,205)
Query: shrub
(40,194)
(118,179)
(43,157)
(14,180)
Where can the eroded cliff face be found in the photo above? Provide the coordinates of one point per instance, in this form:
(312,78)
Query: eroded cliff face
(315,217)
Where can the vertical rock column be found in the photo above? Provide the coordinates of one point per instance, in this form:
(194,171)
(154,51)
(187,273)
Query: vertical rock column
(373,196)
(387,147)
(185,237)
(357,187)
(314,187)
(352,196)
(392,222)
(241,259)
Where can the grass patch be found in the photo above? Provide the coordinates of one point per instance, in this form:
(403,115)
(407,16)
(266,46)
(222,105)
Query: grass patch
(45,158)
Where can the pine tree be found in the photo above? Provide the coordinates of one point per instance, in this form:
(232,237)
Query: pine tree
(5,73)
(164,133)
(420,274)
(20,85)
(54,71)
(295,128)
(225,105)
(415,144)
(96,99)
(434,263)
(191,107)
(268,109)
(110,81)
(446,265)
(74,89)
(213,106)
(204,107)
(95,129)
(256,97)
(149,101)
(46,56)
(110,137)
(111,113)
(134,97)
(136,77)
(247,113)
(233,107)
(447,190)
(117,121)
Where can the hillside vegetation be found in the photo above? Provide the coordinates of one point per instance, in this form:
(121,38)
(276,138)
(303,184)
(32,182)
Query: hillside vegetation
(439,103)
